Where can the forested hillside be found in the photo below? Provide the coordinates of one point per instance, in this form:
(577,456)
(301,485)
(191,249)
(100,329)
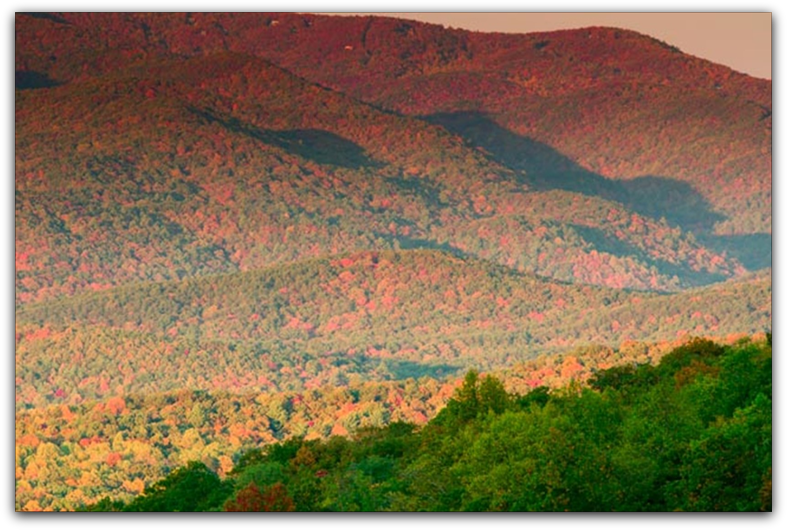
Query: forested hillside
(318,322)
(693,433)
(620,105)
(170,159)
(276,235)
(172,177)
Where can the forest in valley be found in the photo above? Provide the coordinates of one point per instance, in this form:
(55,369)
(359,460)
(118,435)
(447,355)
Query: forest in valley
(692,433)
(664,417)
(305,262)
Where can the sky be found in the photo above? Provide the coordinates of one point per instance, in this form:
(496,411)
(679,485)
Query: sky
(741,41)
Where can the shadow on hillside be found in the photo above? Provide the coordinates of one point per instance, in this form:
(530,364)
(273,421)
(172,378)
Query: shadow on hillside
(408,369)
(413,243)
(47,16)
(604,243)
(321,147)
(754,251)
(546,169)
(29,80)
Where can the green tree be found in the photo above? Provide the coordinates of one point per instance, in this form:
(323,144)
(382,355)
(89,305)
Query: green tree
(193,488)
(729,467)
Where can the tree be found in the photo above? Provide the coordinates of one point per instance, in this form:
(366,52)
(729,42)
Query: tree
(276,499)
(250,499)
(475,397)
(492,396)
(193,488)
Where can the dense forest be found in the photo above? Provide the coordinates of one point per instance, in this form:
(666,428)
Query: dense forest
(182,161)
(207,189)
(374,316)
(617,103)
(72,456)
(301,262)
(692,433)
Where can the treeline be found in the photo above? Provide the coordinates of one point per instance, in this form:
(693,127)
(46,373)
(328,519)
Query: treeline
(67,455)
(77,452)
(690,434)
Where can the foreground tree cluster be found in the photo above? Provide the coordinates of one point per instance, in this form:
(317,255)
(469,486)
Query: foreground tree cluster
(691,433)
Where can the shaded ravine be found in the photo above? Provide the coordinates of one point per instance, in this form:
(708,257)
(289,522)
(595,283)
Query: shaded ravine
(547,168)
(541,167)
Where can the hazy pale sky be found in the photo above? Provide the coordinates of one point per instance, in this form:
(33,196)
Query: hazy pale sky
(741,41)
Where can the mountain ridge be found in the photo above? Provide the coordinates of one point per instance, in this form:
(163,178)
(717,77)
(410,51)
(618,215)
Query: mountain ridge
(237,133)
(289,40)
(235,229)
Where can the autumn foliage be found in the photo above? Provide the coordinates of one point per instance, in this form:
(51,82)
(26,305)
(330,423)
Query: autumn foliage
(255,254)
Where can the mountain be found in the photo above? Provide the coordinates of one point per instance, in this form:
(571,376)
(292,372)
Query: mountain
(184,162)
(232,229)
(621,109)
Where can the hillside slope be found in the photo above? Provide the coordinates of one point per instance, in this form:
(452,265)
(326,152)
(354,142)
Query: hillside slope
(618,105)
(377,316)
(179,168)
